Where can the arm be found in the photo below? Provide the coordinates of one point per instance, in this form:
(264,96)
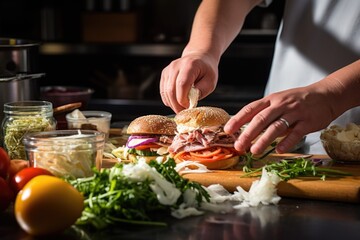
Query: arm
(307,109)
(216,24)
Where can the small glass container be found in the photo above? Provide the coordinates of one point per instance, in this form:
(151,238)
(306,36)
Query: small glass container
(90,120)
(66,153)
(22,118)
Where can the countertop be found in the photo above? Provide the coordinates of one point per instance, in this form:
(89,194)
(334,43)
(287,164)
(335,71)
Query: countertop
(290,219)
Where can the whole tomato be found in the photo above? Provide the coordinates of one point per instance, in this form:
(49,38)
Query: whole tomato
(6,195)
(18,181)
(4,163)
(47,205)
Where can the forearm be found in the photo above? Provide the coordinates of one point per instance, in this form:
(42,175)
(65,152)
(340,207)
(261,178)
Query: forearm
(343,87)
(216,24)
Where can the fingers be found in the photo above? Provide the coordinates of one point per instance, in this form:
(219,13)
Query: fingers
(178,78)
(245,115)
(277,129)
(266,120)
(170,92)
(290,140)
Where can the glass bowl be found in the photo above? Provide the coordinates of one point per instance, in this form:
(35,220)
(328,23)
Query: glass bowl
(89,120)
(342,144)
(66,153)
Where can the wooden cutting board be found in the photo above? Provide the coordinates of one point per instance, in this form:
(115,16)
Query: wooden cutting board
(344,189)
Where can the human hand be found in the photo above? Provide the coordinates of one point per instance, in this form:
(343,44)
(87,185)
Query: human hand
(293,113)
(198,70)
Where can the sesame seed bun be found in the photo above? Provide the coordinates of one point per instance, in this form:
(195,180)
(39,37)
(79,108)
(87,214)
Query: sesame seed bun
(152,124)
(202,116)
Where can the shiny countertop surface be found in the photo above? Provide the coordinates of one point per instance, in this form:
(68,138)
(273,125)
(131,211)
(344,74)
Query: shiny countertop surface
(290,219)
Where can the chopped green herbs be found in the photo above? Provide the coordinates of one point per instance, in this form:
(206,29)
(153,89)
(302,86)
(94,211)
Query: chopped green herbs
(112,197)
(296,167)
(288,168)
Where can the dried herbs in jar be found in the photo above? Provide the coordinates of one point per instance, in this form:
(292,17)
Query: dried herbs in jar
(22,118)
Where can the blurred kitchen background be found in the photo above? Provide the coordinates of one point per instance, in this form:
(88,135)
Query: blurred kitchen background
(119,47)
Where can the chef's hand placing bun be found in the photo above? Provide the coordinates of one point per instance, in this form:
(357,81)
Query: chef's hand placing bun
(200,137)
(150,137)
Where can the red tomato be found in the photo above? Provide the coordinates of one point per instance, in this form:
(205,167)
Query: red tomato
(18,181)
(6,195)
(4,163)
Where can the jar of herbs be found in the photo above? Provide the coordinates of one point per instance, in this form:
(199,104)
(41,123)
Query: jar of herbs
(22,118)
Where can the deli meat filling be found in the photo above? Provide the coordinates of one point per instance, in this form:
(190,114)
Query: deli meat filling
(202,138)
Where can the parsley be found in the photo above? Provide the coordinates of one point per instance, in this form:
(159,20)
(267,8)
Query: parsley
(288,169)
(111,198)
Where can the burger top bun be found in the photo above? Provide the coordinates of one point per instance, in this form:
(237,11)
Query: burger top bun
(152,124)
(202,116)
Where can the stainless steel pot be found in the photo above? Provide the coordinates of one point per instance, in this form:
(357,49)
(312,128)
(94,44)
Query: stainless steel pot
(18,56)
(20,87)
(18,63)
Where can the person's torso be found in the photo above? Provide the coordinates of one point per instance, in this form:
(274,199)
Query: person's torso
(315,39)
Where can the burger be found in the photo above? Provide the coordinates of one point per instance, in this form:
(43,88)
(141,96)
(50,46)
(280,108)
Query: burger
(200,137)
(149,138)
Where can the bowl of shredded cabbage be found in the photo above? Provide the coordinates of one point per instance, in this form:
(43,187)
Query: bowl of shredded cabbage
(66,153)
(342,144)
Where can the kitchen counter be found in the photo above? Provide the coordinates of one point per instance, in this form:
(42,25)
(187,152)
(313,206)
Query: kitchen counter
(290,219)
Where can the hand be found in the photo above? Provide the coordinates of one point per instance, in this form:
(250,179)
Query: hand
(305,110)
(181,74)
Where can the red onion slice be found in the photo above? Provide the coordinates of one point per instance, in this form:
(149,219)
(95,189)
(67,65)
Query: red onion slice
(136,141)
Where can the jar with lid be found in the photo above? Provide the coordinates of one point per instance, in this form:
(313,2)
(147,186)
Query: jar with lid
(21,118)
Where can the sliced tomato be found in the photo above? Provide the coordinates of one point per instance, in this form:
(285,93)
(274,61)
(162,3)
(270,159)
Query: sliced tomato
(207,152)
(147,146)
(213,154)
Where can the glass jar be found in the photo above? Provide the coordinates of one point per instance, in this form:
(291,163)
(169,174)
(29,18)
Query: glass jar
(66,153)
(22,118)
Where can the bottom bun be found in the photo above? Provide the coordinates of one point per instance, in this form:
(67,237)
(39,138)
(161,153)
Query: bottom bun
(220,164)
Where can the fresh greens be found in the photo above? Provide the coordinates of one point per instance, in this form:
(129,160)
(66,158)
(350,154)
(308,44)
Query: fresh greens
(290,168)
(112,197)
(145,153)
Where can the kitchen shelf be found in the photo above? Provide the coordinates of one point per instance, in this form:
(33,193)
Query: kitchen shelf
(162,50)
(250,43)
(151,50)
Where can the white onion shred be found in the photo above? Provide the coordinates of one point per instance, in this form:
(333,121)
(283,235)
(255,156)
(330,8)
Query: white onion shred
(183,167)
(194,95)
(166,192)
(262,191)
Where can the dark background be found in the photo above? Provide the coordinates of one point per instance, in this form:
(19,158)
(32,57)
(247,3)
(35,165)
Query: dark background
(130,69)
